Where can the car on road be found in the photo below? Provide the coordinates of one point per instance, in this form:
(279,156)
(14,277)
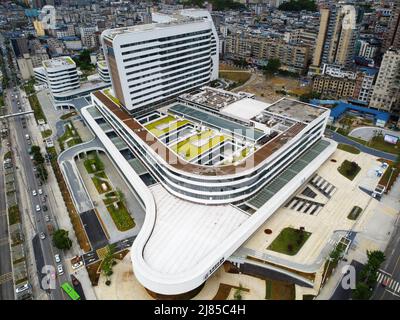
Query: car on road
(60,269)
(22,288)
(37,207)
(34,193)
(31,156)
(46,218)
(77,265)
(34,169)
(42,236)
(40,191)
(57,258)
(44,208)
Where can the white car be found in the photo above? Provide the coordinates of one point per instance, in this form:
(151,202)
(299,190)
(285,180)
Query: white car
(20,289)
(37,207)
(77,265)
(46,218)
(60,269)
(40,191)
(42,236)
(57,258)
(34,193)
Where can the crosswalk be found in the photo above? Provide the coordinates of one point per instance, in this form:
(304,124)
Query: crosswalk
(389,282)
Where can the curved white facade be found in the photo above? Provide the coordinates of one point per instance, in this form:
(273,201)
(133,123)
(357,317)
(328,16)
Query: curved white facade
(164,278)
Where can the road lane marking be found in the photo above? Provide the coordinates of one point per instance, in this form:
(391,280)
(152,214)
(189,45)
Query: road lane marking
(380,277)
(397,285)
(383,271)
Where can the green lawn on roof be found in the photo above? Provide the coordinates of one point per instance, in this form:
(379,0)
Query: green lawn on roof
(188,148)
(165,125)
(289,241)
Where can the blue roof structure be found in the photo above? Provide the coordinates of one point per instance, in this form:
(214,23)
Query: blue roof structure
(341,107)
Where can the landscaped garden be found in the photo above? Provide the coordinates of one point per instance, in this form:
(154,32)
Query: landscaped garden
(70,137)
(348,148)
(93,164)
(289,241)
(349,169)
(114,200)
(121,217)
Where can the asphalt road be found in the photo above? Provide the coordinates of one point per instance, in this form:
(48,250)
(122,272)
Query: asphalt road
(342,139)
(94,229)
(92,257)
(391,266)
(345,294)
(32,183)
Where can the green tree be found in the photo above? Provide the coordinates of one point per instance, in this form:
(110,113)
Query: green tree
(61,240)
(108,262)
(121,196)
(272,67)
(361,292)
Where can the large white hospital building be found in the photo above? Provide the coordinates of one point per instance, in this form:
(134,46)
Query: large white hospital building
(209,166)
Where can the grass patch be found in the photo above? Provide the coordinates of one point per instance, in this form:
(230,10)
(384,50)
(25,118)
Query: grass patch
(101,174)
(68,115)
(348,148)
(109,201)
(121,217)
(379,143)
(37,108)
(111,194)
(289,241)
(239,77)
(390,176)
(13,215)
(7,155)
(98,184)
(70,136)
(99,166)
(354,213)
(46,133)
(349,169)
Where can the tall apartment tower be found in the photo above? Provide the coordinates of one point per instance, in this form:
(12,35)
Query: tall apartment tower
(392,37)
(386,93)
(152,63)
(336,36)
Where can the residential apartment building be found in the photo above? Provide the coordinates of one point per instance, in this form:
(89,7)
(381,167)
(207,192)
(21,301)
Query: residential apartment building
(339,83)
(150,64)
(386,93)
(392,36)
(89,37)
(336,36)
(293,57)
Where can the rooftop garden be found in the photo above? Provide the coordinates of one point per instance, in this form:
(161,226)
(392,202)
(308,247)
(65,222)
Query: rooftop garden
(289,241)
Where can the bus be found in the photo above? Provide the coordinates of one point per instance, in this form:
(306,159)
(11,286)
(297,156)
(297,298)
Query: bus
(70,291)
